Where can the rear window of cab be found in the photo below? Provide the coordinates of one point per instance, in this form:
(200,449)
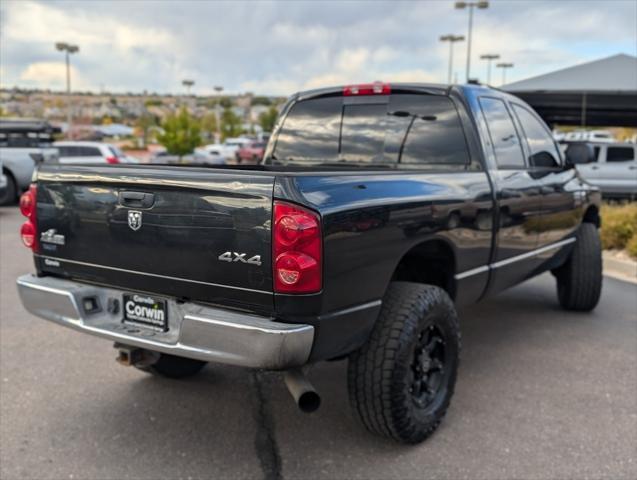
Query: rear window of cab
(406,130)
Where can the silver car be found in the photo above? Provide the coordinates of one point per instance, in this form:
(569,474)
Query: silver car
(614,170)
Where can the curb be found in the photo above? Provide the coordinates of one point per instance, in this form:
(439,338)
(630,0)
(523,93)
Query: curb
(619,268)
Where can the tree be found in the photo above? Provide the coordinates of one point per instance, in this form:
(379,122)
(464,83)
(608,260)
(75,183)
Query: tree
(261,101)
(144,123)
(231,124)
(209,125)
(267,119)
(182,133)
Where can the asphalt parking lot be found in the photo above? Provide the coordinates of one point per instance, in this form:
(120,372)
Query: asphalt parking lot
(541,394)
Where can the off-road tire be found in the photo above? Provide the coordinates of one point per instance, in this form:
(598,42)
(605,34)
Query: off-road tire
(380,373)
(579,280)
(10,194)
(171,366)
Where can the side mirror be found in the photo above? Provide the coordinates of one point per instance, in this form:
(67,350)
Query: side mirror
(579,153)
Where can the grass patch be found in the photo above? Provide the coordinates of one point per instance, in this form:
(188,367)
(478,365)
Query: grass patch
(619,227)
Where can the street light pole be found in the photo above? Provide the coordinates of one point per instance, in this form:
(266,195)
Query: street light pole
(504,67)
(471,6)
(218,89)
(451,39)
(188,83)
(68,49)
(488,57)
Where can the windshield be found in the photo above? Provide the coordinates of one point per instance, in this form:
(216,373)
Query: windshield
(116,151)
(406,129)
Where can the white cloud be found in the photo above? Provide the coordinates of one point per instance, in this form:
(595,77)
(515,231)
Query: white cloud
(278,47)
(52,74)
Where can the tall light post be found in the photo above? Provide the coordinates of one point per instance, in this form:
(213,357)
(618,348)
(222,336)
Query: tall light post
(188,84)
(504,67)
(451,38)
(488,57)
(218,89)
(68,49)
(470,6)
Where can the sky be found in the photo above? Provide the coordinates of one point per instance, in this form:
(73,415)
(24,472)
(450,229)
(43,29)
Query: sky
(277,48)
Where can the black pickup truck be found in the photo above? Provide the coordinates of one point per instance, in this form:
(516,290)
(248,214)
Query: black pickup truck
(376,210)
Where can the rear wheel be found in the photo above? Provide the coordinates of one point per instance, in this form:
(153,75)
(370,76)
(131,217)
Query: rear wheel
(10,193)
(174,367)
(579,280)
(402,380)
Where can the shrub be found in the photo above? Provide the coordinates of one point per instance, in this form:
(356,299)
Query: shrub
(631,246)
(619,225)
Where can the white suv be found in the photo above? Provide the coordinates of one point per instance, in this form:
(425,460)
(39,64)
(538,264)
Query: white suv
(89,152)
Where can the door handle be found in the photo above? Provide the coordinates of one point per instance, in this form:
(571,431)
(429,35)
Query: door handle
(136,199)
(632,167)
(594,167)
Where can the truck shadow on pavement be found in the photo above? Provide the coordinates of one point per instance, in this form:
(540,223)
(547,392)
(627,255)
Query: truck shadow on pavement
(234,422)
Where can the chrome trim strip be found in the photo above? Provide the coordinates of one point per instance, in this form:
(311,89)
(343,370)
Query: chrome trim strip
(117,269)
(517,258)
(474,271)
(524,256)
(355,308)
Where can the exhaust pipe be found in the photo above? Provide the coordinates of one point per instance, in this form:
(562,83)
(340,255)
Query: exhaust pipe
(302,390)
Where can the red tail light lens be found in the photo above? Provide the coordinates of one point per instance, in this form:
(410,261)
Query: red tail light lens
(376,88)
(27,203)
(112,160)
(28,234)
(28,208)
(297,249)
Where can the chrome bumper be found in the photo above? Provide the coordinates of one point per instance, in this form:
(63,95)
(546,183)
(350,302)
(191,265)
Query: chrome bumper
(195,331)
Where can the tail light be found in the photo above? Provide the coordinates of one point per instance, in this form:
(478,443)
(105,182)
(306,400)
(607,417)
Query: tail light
(376,88)
(112,160)
(297,249)
(28,208)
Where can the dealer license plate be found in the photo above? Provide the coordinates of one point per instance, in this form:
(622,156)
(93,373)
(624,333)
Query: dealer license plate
(145,311)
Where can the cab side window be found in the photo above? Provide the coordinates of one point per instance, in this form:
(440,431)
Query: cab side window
(504,137)
(543,151)
(620,154)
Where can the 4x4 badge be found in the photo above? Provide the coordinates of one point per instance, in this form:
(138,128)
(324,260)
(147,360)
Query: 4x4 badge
(135,219)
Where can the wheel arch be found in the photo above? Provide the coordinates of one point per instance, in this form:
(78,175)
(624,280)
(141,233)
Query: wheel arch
(432,261)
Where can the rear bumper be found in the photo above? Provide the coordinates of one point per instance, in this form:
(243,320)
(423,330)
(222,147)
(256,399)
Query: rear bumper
(195,331)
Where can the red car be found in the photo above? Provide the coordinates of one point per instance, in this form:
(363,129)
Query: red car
(251,154)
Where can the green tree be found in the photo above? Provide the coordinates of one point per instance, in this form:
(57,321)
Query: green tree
(261,101)
(231,124)
(267,119)
(144,123)
(152,102)
(182,133)
(209,125)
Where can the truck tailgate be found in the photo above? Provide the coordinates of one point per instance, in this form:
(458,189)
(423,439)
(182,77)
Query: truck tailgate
(191,233)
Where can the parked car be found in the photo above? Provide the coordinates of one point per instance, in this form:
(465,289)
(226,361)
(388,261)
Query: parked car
(19,139)
(88,152)
(3,181)
(251,153)
(376,211)
(210,155)
(613,169)
(228,149)
(198,157)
